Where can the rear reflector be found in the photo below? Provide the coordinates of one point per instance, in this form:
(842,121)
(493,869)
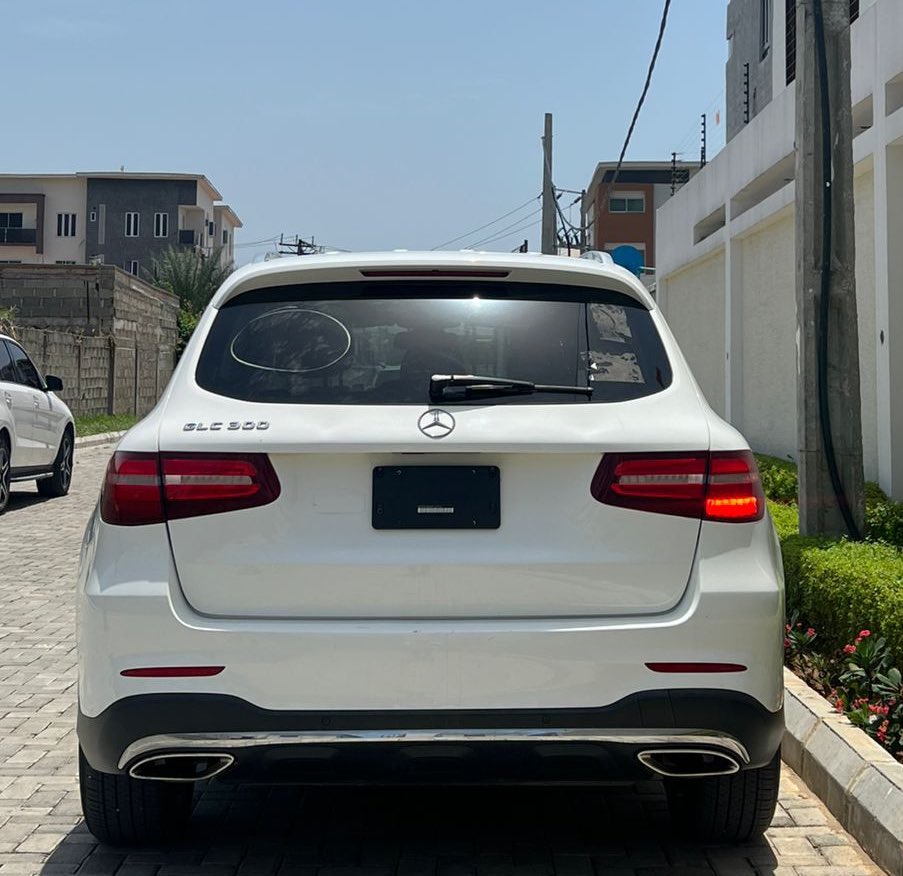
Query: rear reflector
(142,488)
(721,485)
(696,667)
(172,671)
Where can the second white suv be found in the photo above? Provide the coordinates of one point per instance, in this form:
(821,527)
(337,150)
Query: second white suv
(37,432)
(431,517)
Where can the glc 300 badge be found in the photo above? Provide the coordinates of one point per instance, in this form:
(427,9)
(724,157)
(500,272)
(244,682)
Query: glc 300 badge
(234,426)
(436,423)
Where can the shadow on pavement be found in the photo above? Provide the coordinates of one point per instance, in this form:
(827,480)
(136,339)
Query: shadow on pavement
(417,832)
(19,499)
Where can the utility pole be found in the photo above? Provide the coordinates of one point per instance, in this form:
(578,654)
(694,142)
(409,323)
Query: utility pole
(549,228)
(828,399)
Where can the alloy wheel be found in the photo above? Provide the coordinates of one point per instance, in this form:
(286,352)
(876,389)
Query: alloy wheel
(4,475)
(66,463)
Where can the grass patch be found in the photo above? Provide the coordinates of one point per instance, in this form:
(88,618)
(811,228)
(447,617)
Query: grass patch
(99,423)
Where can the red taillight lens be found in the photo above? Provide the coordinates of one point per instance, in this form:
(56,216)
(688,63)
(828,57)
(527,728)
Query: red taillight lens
(196,484)
(150,488)
(132,494)
(723,485)
(734,491)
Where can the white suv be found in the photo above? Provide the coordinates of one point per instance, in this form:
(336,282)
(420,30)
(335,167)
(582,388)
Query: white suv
(431,517)
(37,433)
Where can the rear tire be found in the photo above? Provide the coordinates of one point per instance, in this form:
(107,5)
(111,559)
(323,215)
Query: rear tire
(59,484)
(734,808)
(120,810)
(5,472)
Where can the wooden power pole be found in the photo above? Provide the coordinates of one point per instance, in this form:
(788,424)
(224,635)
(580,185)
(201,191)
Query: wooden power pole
(549,227)
(829,417)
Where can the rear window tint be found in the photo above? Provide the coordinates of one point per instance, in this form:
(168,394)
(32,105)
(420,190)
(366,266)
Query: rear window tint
(378,343)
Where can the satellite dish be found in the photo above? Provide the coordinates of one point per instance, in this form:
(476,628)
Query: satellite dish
(628,257)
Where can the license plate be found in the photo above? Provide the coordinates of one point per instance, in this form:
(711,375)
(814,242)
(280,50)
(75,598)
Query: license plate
(436,497)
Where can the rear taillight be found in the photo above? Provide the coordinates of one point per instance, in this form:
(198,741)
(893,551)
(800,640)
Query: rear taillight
(131,494)
(143,488)
(721,485)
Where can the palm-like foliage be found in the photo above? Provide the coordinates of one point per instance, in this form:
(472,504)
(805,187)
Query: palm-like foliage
(190,275)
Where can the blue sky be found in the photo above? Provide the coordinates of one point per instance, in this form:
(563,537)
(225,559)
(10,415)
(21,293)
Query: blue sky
(369,125)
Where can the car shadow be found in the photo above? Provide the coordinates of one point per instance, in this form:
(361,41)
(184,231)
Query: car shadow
(417,832)
(20,499)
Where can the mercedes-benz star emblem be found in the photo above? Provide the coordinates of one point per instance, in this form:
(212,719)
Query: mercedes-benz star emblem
(436,423)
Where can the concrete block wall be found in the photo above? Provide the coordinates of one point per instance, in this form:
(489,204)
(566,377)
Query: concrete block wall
(96,327)
(82,362)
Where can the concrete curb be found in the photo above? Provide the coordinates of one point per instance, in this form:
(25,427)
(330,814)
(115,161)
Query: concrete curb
(860,782)
(95,440)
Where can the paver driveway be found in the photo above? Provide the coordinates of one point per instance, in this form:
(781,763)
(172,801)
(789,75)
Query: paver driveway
(259,831)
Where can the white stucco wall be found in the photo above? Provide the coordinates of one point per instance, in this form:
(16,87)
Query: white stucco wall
(865,305)
(757,318)
(694,308)
(768,310)
(62,194)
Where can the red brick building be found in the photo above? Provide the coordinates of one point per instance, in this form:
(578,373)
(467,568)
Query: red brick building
(628,215)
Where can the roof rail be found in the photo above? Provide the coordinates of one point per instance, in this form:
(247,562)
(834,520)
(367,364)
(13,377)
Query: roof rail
(595,255)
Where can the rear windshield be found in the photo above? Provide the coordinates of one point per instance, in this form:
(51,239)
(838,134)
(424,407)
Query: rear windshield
(380,343)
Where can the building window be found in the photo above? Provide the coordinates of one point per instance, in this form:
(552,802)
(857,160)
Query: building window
(64,262)
(627,203)
(132,223)
(161,224)
(764,26)
(10,261)
(789,41)
(10,220)
(133,267)
(211,228)
(225,237)
(65,224)
(92,216)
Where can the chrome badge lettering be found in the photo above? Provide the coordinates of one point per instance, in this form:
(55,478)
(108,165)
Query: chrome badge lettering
(234,426)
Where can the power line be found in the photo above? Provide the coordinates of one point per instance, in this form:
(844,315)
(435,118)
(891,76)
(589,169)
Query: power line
(499,232)
(532,224)
(639,106)
(494,222)
(272,239)
(509,231)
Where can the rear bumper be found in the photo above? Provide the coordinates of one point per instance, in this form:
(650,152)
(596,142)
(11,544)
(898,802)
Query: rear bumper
(580,746)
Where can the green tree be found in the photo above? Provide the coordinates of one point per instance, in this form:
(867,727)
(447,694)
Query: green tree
(190,275)
(193,277)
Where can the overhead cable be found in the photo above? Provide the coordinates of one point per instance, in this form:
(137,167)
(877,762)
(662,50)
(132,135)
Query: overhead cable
(487,225)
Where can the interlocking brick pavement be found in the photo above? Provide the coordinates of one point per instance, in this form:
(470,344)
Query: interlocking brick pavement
(256,831)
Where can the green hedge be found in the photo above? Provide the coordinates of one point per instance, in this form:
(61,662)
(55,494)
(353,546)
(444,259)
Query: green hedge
(883,516)
(778,478)
(842,587)
(846,587)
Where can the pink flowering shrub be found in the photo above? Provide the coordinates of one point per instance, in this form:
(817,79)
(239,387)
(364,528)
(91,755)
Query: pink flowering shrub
(860,681)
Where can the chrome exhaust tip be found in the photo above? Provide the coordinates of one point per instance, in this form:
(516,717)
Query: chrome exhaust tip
(688,763)
(181,767)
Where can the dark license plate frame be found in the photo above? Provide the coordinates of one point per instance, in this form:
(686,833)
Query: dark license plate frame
(436,497)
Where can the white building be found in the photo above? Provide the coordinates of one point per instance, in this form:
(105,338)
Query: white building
(726,252)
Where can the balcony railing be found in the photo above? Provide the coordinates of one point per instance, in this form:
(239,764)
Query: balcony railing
(19,236)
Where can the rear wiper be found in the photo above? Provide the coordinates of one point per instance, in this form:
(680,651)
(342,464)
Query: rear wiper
(444,386)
